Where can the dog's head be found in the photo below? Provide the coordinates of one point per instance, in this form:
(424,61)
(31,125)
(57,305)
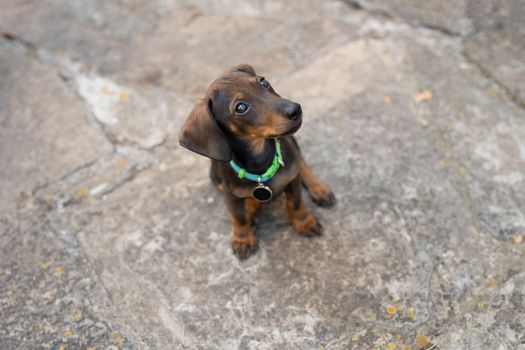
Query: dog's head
(239,104)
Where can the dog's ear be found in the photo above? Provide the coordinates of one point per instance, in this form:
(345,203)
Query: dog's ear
(245,68)
(200,133)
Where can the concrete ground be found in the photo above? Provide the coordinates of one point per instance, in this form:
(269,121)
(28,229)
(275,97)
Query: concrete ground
(111,236)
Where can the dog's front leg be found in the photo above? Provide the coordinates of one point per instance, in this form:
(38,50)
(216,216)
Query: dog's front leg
(303,221)
(242,212)
(318,191)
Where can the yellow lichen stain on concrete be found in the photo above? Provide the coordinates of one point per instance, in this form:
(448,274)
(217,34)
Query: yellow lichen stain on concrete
(391,346)
(493,94)
(517,239)
(116,338)
(410,313)
(406,347)
(123,96)
(77,314)
(82,192)
(442,163)
(391,310)
(68,333)
(122,161)
(421,341)
(493,283)
(44,266)
(59,269)
(462,171)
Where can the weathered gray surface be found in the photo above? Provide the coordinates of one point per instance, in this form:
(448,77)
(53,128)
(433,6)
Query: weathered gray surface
(122,243)
(45,131)
(498,48)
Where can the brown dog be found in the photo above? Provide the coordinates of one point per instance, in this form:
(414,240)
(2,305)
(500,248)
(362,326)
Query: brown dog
(243,123)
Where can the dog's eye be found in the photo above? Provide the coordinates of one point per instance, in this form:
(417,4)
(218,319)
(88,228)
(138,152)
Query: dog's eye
(264,82)
(241,108)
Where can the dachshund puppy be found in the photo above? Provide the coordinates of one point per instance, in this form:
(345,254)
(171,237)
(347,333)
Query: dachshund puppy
(246,129)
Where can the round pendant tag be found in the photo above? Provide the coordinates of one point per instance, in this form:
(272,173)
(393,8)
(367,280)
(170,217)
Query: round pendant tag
(262,193)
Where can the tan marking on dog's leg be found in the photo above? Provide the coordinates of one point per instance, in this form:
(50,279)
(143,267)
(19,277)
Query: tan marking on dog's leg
(251,208)
(303,221)
(244,242)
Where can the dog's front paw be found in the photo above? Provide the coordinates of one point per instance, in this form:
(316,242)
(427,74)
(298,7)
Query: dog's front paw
(243,246)
(308,226)
(322,196)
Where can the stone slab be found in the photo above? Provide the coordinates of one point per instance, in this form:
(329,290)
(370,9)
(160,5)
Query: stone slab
(46,131)
(450,16)
(500,56)
(131,250)
(96,179)
(182,46)
(479,132)
(401,238)
(129,114)
(50,296)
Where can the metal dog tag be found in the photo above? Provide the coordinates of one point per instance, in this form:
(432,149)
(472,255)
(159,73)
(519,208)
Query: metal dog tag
(262,193)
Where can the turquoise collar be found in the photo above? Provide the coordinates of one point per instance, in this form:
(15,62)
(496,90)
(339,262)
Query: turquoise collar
(277,162)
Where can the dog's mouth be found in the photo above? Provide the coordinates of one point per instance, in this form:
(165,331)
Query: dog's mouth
(288,128)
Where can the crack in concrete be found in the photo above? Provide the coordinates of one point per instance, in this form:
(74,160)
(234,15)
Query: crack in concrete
(386,15)
(357,5)
(65,176)
(59,194)
(67,71)
(8,36)
(345,338)
(44,56)
(488,75)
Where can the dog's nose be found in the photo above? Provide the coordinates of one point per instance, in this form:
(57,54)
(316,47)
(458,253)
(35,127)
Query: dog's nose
(293,111)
